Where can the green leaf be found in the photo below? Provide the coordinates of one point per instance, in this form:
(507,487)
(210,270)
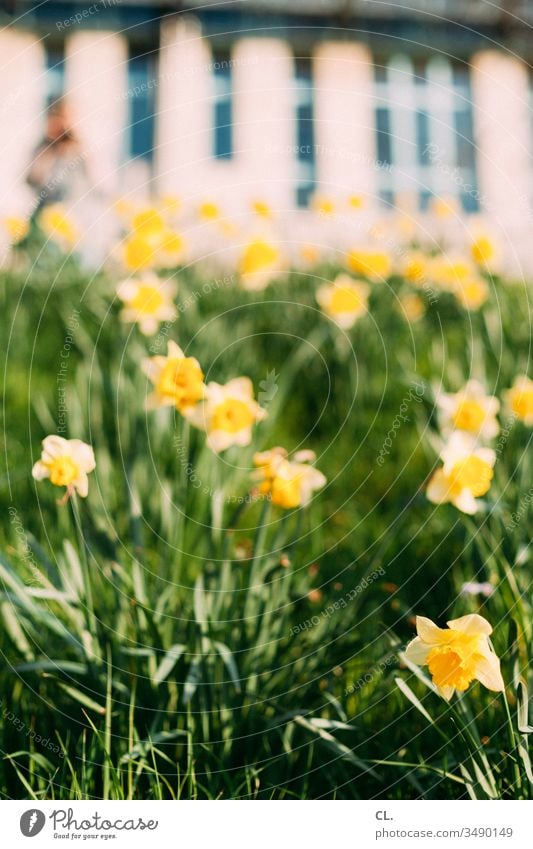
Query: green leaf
(168,663)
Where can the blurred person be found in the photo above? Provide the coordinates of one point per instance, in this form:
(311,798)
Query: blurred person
(57,172)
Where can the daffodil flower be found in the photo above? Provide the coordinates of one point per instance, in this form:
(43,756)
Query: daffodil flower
(472,293)
(228,414)
(457,655)
(54,221)
(470,410)
(344,300)
(147,302)
(519,399)
(466,474)
(415,268)
(209,211)
(372,264)
(451,272)
(65,462)
(323,205)
(288,483)
(259,263)
(412,306)
(177,379)
(484,251)
(16,227)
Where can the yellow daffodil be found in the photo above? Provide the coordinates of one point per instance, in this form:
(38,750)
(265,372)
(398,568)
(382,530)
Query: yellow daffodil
(470,410)
(472,293)
(177,379)
(415,268)
(259,263)
(148,222)
(208,211)
(344,300)
(170,205)
(66,462)
(139,252)
(170,249)
(147,302)
(412,306)
(323,205)
(309,254)
(519,399)
(16,227)
(356,201)
(443,207)
(451,272)
(456,655)
(288,483)
(262,209)
(228,414)
(54,221)
(466,474)
(375,265)
(124,208)
(152,247)
(484,250)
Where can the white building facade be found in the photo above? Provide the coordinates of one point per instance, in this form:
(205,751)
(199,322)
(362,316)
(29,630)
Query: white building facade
(282,101)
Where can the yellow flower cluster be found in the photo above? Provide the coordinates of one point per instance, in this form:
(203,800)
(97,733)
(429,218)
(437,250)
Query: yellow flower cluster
(468,418)
(287,482)
(151,240)
(227,413)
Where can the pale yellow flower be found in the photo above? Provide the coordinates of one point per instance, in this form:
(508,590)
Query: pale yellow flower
(170,205)
(139,252)
(519,399)
(309,254)
(323,205)
(484,250)
(451,272)
(177,379)
(415,267)
(54,221)
(444,207)
(228,413)
(148,301)
(262,209)
(470,410)
(66,462)
(373,264)
(466,474)
(259,263)
(457,655)
(151,246)
(16,227)
(472,293)
(209,211)
(356,201)
(288,483)
(171,249)
(412,306)
(148,222)
(124,208)
(344,300)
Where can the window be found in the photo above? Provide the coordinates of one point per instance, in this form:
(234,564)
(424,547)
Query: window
(222,106)
(142,89)
(304,132)
(424,133)
(54,75)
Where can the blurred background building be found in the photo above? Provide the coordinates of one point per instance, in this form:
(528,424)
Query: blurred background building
(280,99)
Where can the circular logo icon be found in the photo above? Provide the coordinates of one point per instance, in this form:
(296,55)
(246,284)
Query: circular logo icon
(32,822)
